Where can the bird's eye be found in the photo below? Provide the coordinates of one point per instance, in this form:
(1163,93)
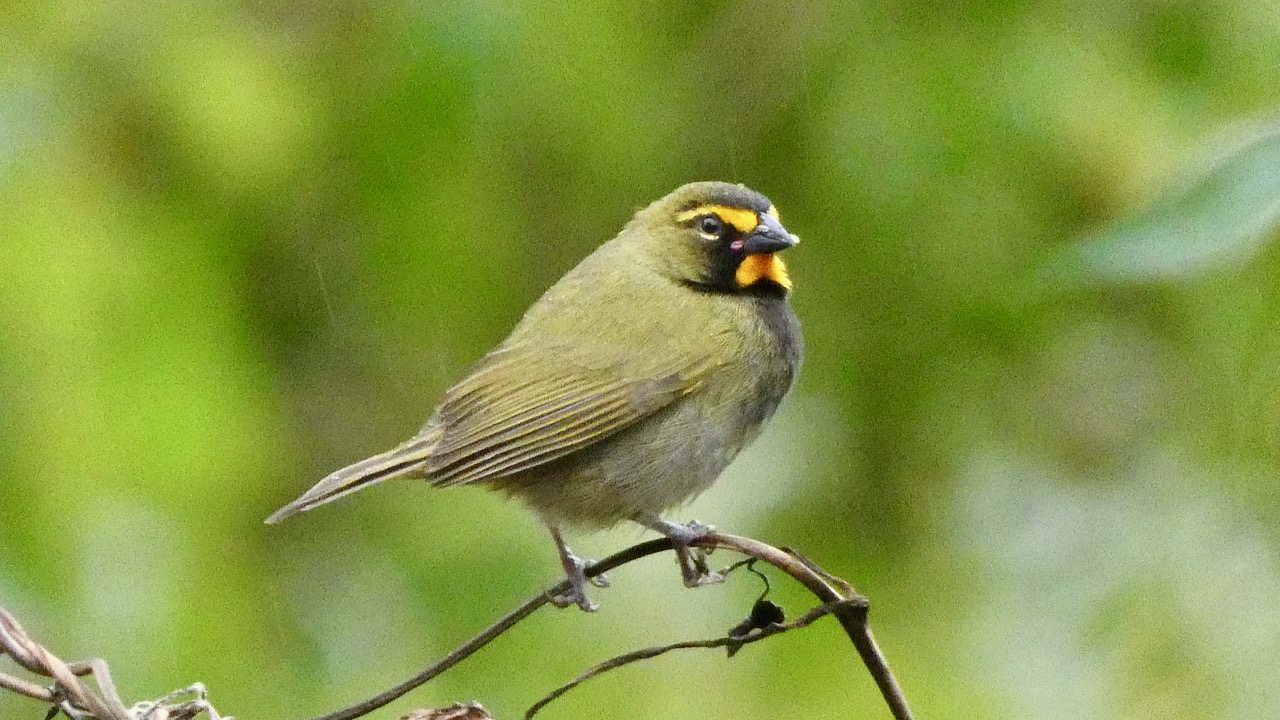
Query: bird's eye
(710,225)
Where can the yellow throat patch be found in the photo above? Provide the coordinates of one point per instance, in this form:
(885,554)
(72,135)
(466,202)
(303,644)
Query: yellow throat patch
(755,268)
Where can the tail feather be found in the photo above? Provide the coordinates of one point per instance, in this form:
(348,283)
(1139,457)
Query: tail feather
(401,461)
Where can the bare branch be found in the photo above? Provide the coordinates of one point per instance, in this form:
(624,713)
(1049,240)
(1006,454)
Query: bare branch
(67,687)
(456,711)
(848,607)
(73,698)
(22,687)
(652,652)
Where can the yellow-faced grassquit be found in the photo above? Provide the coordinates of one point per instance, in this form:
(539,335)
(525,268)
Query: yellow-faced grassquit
(629,386)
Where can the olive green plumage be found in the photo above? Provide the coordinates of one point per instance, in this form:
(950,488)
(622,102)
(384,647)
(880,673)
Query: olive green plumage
(631,383)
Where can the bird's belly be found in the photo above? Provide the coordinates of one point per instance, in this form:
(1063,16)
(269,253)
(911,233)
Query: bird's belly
(659,463)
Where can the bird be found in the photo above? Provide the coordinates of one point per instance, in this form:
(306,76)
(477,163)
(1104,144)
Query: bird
(625,389)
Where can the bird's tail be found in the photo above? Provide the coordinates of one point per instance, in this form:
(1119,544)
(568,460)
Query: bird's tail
(402,461)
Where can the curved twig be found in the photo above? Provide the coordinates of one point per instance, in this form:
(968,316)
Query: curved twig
(651,652)
(73,698)
(850,610)
(852,616)
(32,656)
(839,599)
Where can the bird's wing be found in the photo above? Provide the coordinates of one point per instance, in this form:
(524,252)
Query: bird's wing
(511,415)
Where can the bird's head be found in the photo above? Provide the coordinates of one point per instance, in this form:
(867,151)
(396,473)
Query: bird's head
(717,237)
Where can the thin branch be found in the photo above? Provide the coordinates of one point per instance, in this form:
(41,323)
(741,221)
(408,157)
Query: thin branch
(848,607)
(22,687)
(828,588)
(68,688)
(72,697)
(453,658)
(505,623)
(652,652)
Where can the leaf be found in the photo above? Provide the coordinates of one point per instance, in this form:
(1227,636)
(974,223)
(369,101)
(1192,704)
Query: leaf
(1221,220)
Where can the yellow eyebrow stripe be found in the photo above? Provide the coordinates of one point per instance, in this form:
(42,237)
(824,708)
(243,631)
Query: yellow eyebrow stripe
(744,221)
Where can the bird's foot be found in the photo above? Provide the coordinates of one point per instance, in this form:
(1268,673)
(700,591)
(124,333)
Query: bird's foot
(574,568)
(693,560)
(693,567)
(574,597)
(685,534)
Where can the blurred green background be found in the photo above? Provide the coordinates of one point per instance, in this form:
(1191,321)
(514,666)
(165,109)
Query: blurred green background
(244,244)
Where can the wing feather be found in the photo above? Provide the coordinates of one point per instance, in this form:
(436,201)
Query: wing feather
(505,418)
(533,450)
(490,423)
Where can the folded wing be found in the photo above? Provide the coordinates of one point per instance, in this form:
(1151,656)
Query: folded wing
(505,417)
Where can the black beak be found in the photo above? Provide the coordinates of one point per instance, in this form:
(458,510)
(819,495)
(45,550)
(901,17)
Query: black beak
(768,237)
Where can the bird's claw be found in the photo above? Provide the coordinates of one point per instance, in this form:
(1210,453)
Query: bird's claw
(693,560)
(686,534)
(574,596)
(694,569)
(574,568)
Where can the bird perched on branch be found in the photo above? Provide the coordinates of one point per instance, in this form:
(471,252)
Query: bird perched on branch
(628,386)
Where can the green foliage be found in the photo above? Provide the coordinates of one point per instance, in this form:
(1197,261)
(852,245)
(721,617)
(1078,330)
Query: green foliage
(241,245)
(1222,219)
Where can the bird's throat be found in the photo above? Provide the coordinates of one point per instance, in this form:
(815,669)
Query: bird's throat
(755,268)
